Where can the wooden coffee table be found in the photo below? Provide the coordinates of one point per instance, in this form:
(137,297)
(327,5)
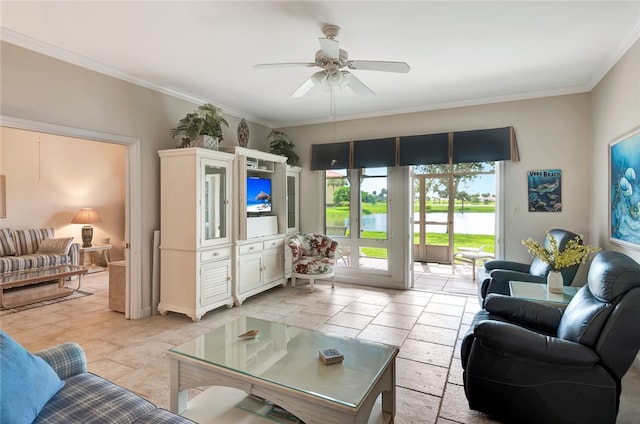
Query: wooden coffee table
(32,277)
(281,365)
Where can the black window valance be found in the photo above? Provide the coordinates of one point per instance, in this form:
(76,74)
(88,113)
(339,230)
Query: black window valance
(486,145)
(425,149)
(374,153)
(330,156)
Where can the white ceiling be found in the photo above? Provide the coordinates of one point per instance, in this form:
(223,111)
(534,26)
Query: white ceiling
(460,53)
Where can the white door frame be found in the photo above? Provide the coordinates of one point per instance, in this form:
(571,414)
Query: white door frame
(133,227)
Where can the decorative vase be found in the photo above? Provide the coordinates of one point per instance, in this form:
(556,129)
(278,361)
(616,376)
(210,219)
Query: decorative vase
(206,142)
(243,133)
(554,282)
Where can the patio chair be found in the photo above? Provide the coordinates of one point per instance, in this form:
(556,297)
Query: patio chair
(472,255)
(343,251)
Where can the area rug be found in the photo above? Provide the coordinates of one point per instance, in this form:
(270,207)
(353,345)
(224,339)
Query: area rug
(75,295)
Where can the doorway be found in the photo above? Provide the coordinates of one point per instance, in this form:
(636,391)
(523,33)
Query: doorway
(432,218)
(454,209)
(132,232)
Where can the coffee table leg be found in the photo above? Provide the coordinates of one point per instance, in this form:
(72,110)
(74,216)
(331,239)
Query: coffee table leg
(389,397)
(61,282)
(178,400)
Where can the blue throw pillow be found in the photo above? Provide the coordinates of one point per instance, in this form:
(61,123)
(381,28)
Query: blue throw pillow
(27,382)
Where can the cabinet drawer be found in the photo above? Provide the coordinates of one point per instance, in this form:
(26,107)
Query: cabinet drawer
(248,248)
(211,255)
(271,244)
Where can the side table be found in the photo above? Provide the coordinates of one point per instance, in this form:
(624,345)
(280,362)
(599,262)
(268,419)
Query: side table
(117,278)
(103,250)
(537,292)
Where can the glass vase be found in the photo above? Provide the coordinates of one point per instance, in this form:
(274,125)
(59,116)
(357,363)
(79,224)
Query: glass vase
(555,282)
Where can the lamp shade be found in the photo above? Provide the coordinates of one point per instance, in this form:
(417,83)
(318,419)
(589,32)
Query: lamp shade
(86,216)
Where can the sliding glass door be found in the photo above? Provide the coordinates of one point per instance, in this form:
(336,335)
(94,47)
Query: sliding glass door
(356,214)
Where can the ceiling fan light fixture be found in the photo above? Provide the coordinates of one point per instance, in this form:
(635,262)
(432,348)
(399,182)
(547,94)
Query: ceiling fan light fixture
(319,79)
(336,79)
(327,80)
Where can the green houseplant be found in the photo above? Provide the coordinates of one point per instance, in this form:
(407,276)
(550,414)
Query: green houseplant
(206,120)
(281,144)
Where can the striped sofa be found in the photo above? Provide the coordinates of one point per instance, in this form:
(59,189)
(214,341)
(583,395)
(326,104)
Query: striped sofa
(21,249)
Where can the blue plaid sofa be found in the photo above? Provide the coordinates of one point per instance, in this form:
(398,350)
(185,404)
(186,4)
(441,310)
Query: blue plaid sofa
(86,398)
(24,249)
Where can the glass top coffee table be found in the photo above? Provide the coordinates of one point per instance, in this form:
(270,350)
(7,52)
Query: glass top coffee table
(34,276)
(282,366)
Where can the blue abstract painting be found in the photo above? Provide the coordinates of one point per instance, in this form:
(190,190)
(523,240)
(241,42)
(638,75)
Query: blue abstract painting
(624,170)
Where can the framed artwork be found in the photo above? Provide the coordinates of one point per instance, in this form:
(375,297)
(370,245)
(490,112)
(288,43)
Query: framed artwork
(545,188)
(624,189)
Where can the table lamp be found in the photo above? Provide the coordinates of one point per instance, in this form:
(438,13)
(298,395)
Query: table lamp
(86,216)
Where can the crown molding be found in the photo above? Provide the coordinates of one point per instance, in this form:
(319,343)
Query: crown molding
(47,49)
(440,106)
(615,56)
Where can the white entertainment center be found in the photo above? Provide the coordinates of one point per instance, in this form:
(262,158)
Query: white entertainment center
(225,217)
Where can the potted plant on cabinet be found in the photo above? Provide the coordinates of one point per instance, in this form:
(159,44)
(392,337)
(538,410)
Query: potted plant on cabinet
(281,144)
(201,128)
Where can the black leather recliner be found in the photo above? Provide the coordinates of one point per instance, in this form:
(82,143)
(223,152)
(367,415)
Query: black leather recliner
(494,277)
(526,362)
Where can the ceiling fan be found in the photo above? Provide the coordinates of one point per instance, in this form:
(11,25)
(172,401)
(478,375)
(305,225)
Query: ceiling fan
(332,59)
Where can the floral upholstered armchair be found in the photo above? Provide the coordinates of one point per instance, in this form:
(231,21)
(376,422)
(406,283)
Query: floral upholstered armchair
(313,257)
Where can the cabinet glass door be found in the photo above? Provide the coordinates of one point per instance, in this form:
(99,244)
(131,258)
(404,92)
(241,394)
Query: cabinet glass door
(292,223)
(214,202)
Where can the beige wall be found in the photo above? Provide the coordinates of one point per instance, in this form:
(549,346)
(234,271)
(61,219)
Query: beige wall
(40,88)
(566,132)
(552,133)
(615,110)
(49,178)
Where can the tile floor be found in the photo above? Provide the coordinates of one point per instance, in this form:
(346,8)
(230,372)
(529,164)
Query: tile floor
(427,323)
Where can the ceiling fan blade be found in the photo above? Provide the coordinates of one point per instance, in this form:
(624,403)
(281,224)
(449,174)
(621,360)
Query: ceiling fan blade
(376,65)
(282,65)
(357,86)
(304,88)
(330,48)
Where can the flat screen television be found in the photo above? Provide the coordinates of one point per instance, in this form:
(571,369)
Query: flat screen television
(258,195)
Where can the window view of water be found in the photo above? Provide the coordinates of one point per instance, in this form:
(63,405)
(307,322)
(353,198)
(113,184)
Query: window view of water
(465,223)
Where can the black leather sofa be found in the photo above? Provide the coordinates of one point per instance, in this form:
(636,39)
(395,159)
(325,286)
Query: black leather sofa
(526,362)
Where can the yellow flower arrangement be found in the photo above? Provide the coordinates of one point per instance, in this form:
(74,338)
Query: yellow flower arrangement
(574,252)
